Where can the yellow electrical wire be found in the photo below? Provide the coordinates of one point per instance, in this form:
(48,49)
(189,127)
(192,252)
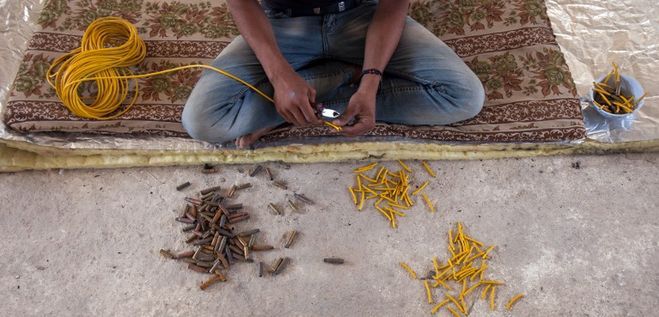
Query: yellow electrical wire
(109,47)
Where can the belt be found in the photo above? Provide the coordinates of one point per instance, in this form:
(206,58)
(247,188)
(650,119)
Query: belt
(337,7)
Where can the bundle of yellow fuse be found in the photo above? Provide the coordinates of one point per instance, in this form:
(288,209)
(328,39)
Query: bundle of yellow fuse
(390,190)
(609,96)
(463,274)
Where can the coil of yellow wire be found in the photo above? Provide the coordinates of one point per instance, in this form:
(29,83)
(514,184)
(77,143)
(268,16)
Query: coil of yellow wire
(109,47)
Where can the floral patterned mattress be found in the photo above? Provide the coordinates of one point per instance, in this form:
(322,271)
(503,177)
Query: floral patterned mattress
(509,43)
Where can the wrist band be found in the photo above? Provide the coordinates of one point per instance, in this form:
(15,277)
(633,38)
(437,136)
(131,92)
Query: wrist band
(371,71)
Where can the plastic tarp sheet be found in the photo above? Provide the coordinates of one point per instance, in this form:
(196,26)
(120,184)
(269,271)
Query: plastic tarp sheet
(593,34)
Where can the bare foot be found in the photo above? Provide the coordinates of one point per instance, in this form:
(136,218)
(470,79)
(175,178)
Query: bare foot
(246,141)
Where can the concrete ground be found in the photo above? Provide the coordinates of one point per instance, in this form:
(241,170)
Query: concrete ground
(578,241)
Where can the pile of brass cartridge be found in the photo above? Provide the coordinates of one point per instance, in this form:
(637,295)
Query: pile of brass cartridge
(208,219)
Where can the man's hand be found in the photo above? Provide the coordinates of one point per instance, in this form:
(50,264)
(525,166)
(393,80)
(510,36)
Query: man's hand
(361,108)
(293,99)
(293,96)
(382,38)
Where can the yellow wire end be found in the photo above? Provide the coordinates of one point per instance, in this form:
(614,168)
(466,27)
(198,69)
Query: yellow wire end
(332,125)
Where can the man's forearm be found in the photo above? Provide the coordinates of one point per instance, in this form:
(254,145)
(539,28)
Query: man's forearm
(382,38)
(257,31)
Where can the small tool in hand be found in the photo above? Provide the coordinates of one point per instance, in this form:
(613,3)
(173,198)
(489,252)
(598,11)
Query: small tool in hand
(328,114)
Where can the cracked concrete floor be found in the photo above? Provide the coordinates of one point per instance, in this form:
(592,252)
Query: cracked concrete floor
(578,242)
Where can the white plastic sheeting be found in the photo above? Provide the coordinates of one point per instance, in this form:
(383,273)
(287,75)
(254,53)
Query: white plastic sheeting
(595,33)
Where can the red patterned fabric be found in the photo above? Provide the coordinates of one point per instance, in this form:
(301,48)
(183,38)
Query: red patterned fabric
(508,43)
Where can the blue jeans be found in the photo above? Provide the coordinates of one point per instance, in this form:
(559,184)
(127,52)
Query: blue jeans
(425,82)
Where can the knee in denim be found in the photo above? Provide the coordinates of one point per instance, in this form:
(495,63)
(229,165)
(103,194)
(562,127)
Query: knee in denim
(200,126)
(473,100)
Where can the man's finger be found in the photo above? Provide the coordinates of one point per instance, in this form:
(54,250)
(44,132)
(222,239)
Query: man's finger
(357,129)
(286,117)
(298,117)
(344,118)
(354,130)
(284,114)
(307,112)
(312,95)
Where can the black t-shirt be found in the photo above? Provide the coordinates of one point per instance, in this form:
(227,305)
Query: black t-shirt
(303,4)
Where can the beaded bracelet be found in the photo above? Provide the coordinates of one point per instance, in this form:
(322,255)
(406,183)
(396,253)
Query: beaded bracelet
(371,71)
